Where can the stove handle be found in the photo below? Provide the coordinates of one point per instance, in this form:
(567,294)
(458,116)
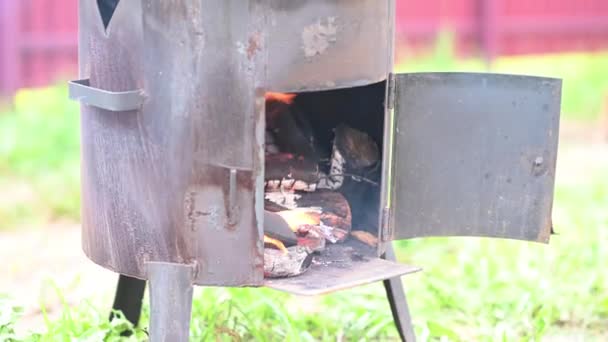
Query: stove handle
(82,91)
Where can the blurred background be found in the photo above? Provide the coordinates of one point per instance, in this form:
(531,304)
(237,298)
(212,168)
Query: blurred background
(471,289)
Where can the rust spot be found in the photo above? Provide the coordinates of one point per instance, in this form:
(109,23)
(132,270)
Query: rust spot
(316,38)
(189,203)
(253,45)
(192,213)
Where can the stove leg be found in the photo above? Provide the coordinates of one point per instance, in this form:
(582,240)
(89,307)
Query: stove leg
(128,298)
(170,301)
(398,302)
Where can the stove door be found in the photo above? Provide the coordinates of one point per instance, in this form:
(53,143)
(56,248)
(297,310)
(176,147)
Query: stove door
(473,155)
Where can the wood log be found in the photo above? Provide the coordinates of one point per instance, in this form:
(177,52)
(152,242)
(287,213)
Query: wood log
(277,228)
(273,206)
(280,199)
(365,237)
(358,148)
(339,234)
(310,236)
(270,146)
(290,127)
(330,234)
(289,172)
(278,264)
(335,210)
(314,244)
(335,178)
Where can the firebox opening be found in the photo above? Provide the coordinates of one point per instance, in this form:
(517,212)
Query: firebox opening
(323,177)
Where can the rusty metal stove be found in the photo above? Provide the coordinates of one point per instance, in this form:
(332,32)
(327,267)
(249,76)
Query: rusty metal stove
(173,122)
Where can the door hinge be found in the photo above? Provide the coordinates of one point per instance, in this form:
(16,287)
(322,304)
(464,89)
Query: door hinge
(386,233)
(391,92)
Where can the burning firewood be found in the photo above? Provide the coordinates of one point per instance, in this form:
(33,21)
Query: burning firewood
(311,237)
(352,149)
(301,216)
(285,171)
(274,243)
(365,237)
(278,264)
(273,206)
(291,128)
(276,227)
(329,211)
(335,210)
(280,200)
(334,180)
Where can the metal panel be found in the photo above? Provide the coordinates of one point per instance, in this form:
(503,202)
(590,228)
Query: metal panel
(474,155)
(328,44)
(175,180)
(341,266)
(170,301)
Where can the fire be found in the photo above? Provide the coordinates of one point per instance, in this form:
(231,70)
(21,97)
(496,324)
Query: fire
(281,97)
(276,243)
(294,219)
(302,216)
(277,105)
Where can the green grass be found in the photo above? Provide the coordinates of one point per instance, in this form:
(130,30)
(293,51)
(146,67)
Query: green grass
(39,158)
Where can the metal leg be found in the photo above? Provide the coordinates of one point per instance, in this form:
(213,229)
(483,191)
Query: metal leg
(398,302)
(170,301)
(129,297)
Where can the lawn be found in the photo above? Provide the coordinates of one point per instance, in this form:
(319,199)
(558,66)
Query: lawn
(471,289)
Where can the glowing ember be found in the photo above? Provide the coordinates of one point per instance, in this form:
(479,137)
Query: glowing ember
(301,216)
(276,243)
(281,97)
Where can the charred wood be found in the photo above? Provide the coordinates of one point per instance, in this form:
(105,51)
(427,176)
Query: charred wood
(286,171)
(335,209)
(311,237)
(291,129)
(279,264)
(273,206)
(358,148)
(365,237)
(276,227)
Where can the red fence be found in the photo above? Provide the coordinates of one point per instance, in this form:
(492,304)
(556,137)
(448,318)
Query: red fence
(37,42)
(38,37)
(507,27)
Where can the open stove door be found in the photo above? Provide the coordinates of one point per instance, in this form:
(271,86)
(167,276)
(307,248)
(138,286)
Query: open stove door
(473,155)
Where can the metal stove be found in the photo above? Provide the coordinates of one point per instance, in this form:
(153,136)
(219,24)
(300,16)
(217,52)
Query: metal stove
(173,128)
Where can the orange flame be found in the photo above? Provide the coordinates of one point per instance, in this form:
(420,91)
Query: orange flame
(297,217)
(276,243)
(281,97)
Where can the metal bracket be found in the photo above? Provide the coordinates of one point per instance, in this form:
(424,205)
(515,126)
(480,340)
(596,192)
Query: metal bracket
(81,90)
